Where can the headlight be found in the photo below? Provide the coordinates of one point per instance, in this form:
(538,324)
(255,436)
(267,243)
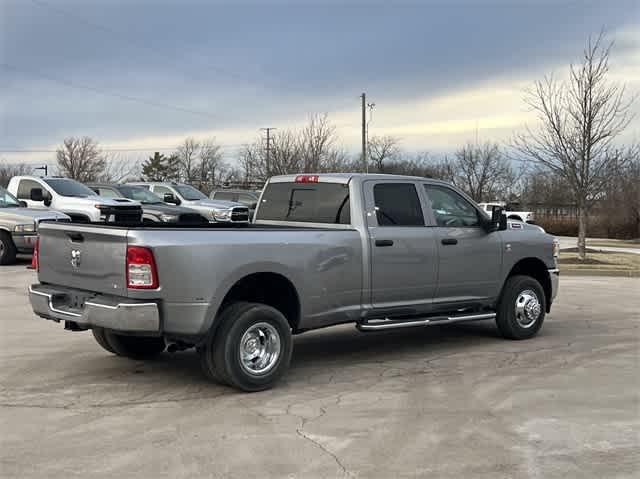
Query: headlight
(221,215)
(26,228)
(556,248)
(169,218)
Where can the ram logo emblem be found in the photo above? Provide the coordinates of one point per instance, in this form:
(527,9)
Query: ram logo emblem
(75,257)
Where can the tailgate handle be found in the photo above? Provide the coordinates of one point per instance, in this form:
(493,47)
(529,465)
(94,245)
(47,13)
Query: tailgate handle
(76,237)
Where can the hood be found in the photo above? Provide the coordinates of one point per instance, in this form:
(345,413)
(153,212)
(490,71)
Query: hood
(106,201)
(217,203)
(167,209)
(17,214)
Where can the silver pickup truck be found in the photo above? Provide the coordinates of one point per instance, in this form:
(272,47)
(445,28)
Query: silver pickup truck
(379,251)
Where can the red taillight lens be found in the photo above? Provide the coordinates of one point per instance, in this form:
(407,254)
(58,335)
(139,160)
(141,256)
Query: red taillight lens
(35,264)
(307,178)
(141,268)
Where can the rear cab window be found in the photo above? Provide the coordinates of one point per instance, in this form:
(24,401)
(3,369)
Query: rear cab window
(397,204)
(306,203)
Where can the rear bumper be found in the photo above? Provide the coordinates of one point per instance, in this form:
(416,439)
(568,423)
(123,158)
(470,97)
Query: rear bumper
(109,312)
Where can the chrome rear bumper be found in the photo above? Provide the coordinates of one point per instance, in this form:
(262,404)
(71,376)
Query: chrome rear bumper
(109,312)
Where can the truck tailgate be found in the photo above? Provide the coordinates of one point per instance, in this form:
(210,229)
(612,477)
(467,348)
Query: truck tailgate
(85,257)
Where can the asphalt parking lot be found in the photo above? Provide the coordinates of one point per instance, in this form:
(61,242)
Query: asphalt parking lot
(446,402)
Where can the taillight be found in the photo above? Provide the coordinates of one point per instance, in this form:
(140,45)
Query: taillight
(141,268)
(307,179)
(35,264)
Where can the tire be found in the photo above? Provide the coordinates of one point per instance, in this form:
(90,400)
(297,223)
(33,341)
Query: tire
(7,249)
(101,339)
(521,309)
(263,333)
(134,347)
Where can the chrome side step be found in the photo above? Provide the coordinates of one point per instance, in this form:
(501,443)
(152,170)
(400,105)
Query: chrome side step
(386,323)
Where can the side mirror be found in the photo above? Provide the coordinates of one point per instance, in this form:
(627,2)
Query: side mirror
(23,204)
(36,194)
(169,198)
(498,219)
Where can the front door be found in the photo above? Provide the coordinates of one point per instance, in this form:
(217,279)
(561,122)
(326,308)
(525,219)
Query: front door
(470,259)
(403,250)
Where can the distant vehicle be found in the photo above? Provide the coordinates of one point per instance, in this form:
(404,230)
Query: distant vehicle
(216,211)
(19,226)
(381,251)
(73,198)
(246,197)
(524,216)
(153,208)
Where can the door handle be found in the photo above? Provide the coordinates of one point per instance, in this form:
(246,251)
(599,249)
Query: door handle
(384,242)
(449,241)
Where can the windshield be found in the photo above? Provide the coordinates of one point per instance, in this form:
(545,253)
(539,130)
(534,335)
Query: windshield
(140,194)
(7,200)
(68,187)
(189,193)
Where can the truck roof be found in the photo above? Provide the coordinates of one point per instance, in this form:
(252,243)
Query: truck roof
(346,177)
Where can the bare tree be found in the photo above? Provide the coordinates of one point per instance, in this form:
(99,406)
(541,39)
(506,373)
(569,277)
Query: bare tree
(317,140)
(381,149)
(80,159)
(482,171)
(578,122)
(210,166)
(119,169)
(188,157)
(8,170)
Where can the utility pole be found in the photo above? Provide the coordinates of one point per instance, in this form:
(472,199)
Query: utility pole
(364,132)
(268,149)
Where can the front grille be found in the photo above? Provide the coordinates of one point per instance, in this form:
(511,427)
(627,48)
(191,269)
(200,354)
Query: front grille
(192,218)
(240,215)
(122,214)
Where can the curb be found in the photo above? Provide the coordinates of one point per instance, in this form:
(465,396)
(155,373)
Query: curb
(597,272)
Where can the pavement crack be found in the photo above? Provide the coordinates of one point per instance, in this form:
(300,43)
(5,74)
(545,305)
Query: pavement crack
(337,460)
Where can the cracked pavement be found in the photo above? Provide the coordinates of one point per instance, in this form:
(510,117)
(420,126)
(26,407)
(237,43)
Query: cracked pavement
(446,401)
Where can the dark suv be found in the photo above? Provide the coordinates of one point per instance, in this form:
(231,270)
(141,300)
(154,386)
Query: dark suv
(153,208)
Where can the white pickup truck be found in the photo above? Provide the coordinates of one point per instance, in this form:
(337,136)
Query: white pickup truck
(74,199)
(524,216)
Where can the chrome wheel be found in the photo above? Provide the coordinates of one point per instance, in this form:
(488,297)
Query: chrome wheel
(259,349)
(528,308)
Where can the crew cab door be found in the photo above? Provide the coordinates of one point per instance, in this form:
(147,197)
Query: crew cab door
(403,251)
(469,258)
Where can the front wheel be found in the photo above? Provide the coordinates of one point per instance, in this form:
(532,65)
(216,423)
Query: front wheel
(521,309)
(251,349)
(7,249)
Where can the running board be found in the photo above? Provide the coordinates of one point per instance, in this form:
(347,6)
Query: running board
(386,323)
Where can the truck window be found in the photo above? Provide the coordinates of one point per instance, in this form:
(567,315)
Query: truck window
(161,190)
(397,204)
(451,209)
(25,187)
(306,202)
(108,193)
(224,195)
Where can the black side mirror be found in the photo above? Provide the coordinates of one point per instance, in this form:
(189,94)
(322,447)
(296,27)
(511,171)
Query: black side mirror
(23,204)
(169,198)
(36,194)
(498,219)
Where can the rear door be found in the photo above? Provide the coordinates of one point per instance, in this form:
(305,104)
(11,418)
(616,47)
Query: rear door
(470,259)
(83,257)
(403,249)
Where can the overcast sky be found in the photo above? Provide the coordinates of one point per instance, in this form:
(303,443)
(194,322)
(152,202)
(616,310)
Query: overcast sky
(147,73)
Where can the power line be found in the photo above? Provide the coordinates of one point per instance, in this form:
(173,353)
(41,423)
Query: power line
(70,84)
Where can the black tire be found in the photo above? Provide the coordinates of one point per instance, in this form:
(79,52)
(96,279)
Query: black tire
(101,339)
(221,356)
(7,249)
(135,347)
(520,314)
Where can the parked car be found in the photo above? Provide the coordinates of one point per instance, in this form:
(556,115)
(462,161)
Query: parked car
(19,226)
(247,198)
(512,214)
(216,211)
(380,251)
(73,198)
(153,208)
